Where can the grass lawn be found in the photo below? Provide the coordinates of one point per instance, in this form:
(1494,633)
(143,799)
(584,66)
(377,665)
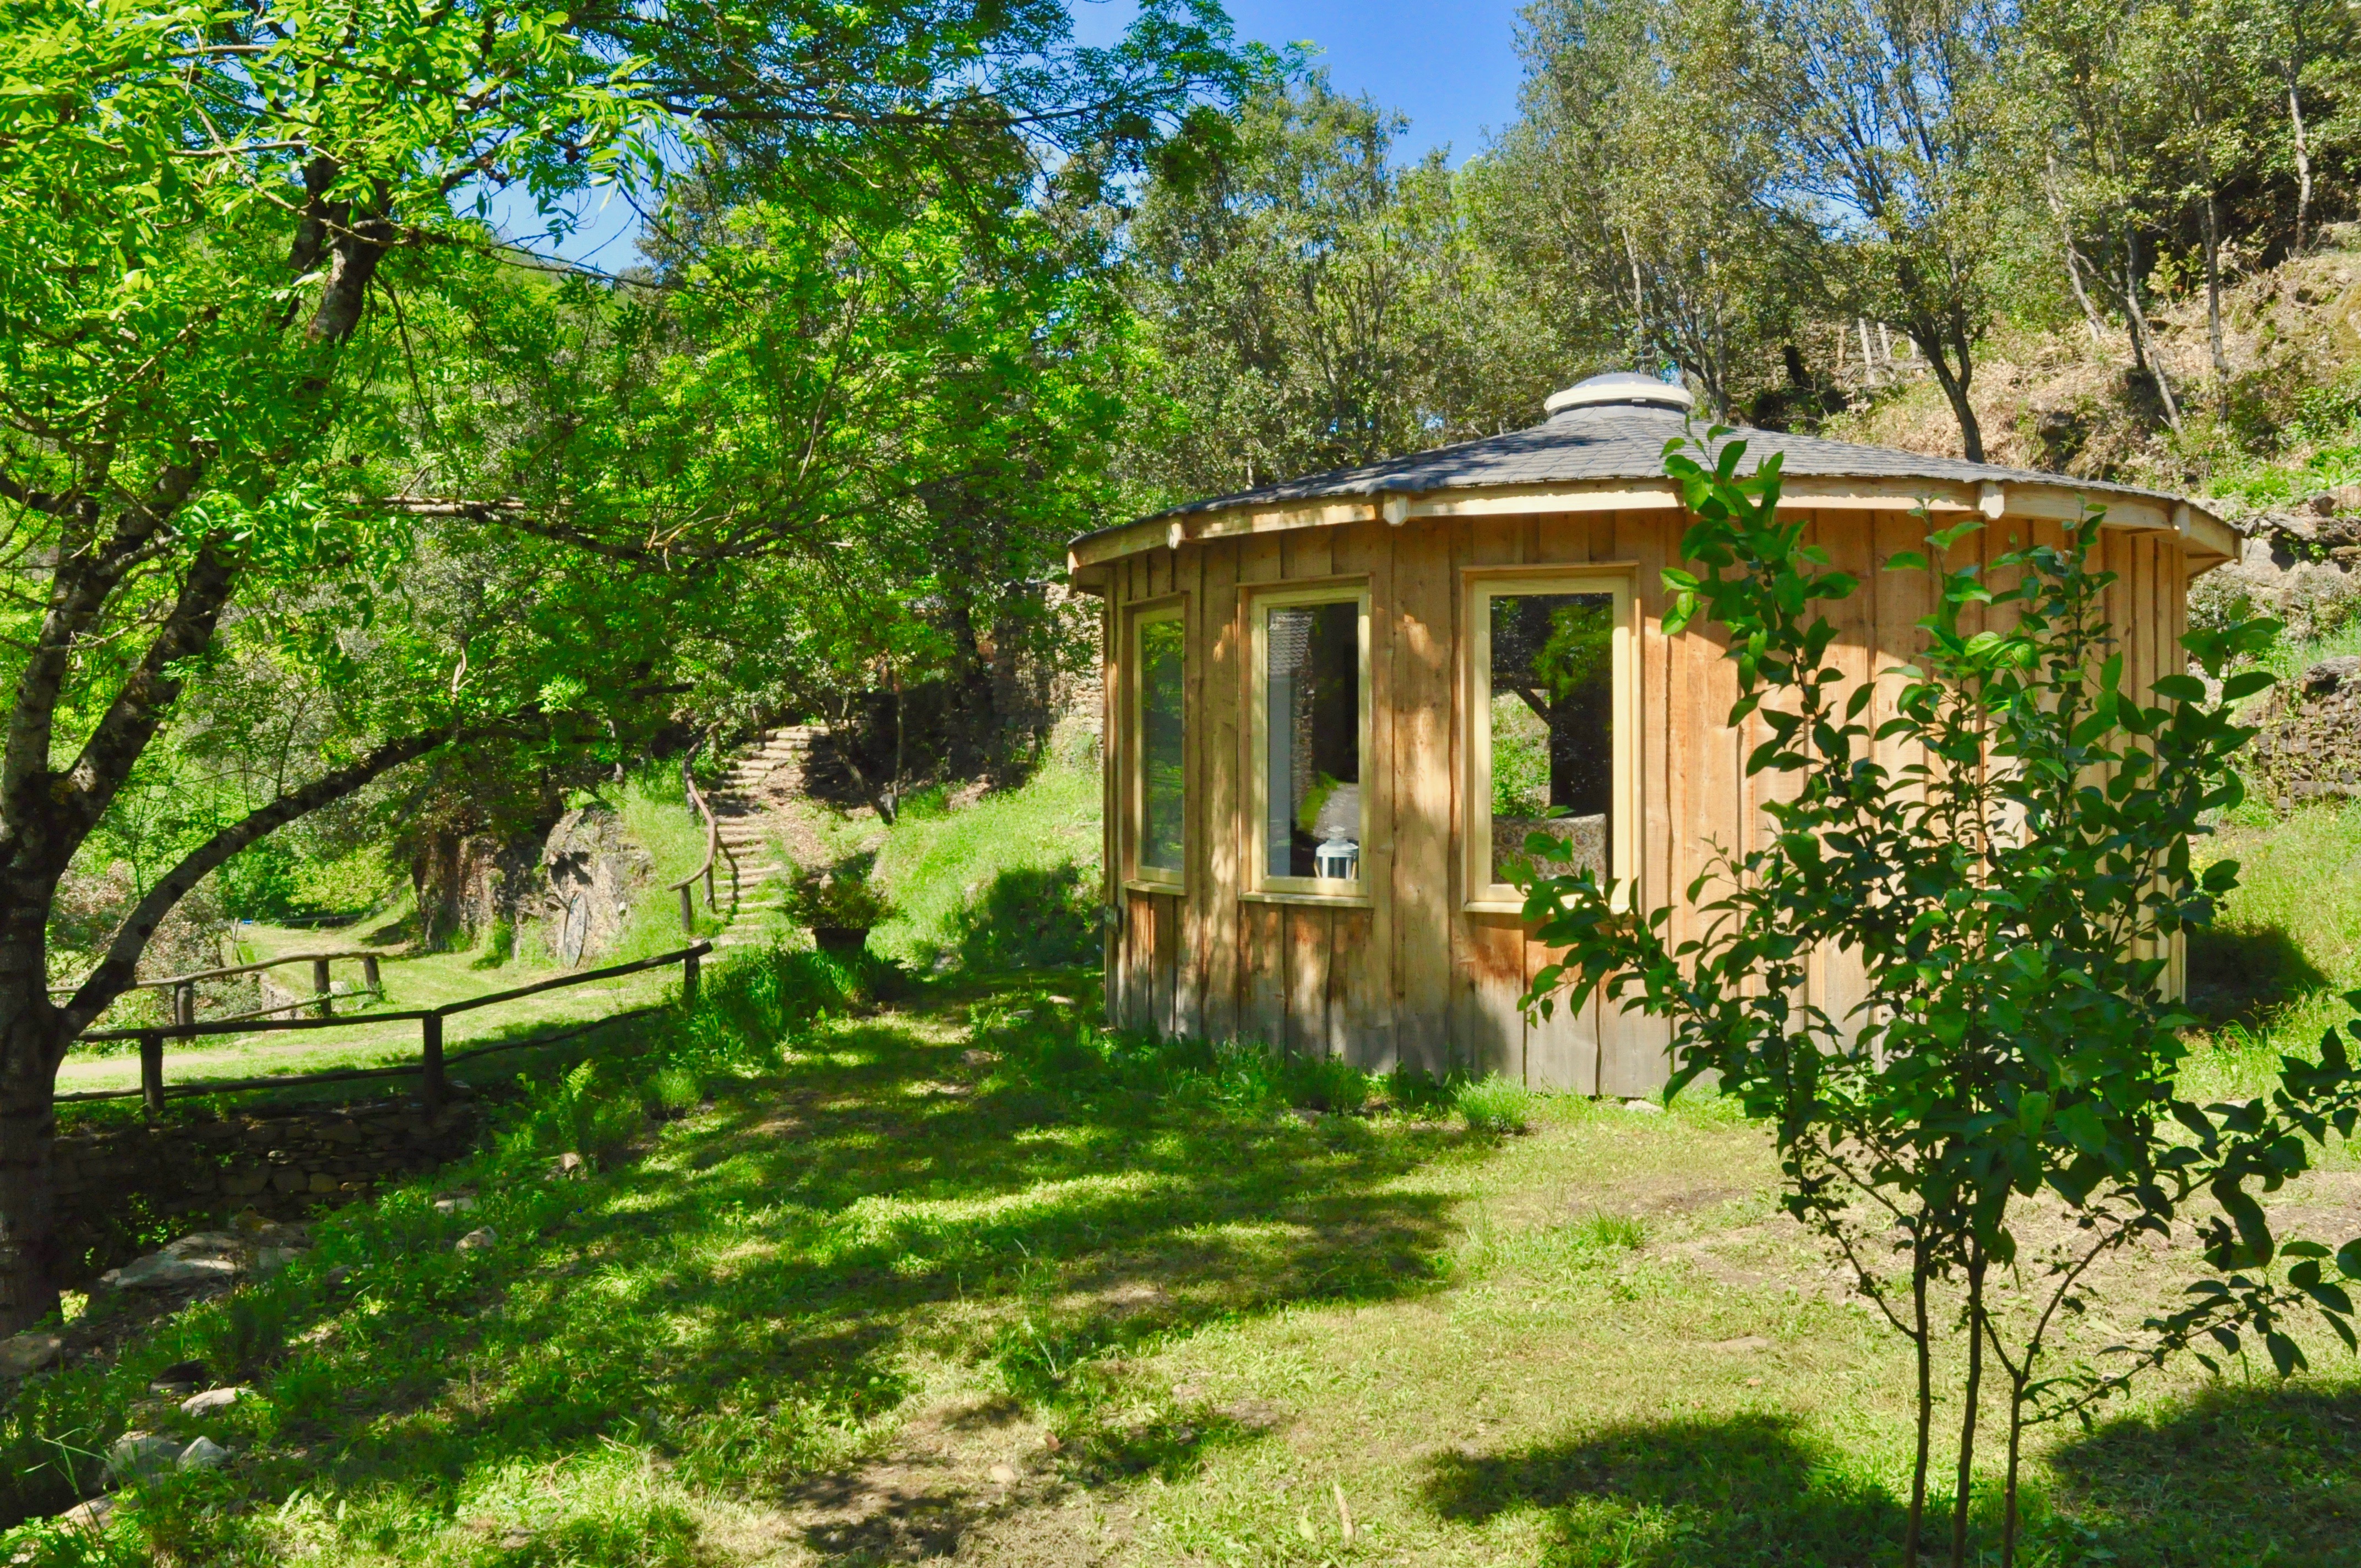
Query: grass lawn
(962,1278)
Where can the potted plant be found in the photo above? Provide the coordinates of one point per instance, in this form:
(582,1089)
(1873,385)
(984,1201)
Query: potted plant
(839,903)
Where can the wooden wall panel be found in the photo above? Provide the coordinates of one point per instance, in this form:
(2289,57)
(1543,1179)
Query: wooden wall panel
(1487,1030)
(1420,631)
(1262,964)
(1111,773)
(1308,934)
(1360,1010)
(1218,869)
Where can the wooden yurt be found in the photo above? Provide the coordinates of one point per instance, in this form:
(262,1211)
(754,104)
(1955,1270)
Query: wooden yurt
(1334,705)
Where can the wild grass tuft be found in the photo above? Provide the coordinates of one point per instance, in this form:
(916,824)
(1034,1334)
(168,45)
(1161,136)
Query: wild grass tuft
(1496,1105)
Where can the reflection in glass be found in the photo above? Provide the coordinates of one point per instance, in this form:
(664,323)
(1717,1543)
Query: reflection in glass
(1552,718)
(1312,759)
(1163,781)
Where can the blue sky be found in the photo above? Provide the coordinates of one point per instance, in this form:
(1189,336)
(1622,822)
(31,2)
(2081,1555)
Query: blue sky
(1452,68)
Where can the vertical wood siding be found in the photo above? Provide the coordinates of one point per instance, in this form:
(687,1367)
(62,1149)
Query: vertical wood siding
(1411,978)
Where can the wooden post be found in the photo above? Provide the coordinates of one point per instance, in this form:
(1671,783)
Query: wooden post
(320,987)
(710,901)
(687,912)
(151,1072)
(184,1004)
(371,975)
(430,1060)
(688,978)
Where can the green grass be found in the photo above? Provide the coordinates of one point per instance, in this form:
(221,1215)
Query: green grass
(944,868)
(977,1276)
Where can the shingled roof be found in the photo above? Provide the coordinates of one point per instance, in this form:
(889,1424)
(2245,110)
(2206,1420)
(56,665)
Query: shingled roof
(1624,441)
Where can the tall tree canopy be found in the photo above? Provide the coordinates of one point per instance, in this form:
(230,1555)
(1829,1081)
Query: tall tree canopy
(254,315)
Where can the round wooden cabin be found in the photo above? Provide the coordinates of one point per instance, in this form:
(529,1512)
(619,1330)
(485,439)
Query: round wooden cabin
(1335,706)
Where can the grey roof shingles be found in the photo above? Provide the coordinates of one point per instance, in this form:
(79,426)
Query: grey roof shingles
(1620,441)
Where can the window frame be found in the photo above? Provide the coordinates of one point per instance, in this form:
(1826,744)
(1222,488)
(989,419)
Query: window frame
(1259,883)
(1479,587)
(1138,875)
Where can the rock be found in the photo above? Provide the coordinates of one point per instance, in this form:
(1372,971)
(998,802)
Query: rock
(31,1352)
(480,1240)
(1004,1475)
(1644,1107)
(1748,1342)
(203,1454)
(2331,676)
(570,1166)
(181,1375)
(136,1455)
(458,1204)
(160,1271)
(213,1400)
(271,1259)
(90,1515)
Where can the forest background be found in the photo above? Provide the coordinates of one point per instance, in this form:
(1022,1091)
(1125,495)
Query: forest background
(339,528)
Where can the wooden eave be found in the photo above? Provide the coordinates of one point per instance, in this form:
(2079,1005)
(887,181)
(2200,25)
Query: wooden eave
(2208,540)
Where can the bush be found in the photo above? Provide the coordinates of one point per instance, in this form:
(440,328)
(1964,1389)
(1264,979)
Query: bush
(1028,917)
(1496,1105)
(839,896)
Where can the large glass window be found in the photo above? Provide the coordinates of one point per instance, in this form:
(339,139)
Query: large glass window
(1550,713)
(1162,742)
(1311,724)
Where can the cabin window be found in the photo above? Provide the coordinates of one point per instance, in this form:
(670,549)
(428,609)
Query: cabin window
(1549,751)
(1159,743)
(1312,717)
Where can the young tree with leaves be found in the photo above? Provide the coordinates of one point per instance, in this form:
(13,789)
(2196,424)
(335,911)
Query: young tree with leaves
(2012,891)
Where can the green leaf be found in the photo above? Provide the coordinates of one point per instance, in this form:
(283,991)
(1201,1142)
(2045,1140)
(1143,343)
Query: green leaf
(2284,1354)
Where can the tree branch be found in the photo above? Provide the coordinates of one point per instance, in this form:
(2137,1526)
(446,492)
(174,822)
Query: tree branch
(119,967)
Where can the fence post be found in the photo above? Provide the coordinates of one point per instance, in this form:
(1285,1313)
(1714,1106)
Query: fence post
(151,1072)
(371,977)
(689,977)
(320,987)
(687,913)
(430,1061)
(710,901)
(184,1005)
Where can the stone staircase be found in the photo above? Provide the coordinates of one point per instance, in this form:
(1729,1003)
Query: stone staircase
(768,772)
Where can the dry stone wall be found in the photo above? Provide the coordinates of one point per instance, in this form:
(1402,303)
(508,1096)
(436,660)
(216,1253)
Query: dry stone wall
(2310,747)
(283,1164)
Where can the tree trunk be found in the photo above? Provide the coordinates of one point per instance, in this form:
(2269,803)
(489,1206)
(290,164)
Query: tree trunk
(29,1051)
(2143,340)
(1955,387)
(2302,151)
(1915,1527)
(1966,1493)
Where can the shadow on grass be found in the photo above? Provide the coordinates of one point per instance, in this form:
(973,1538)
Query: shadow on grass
(2257,1475)
(1751,1488)
(2234,1475)
(756,1302)
(2237,975)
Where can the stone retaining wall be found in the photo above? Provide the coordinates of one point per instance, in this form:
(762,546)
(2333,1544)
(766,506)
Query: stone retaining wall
(283,1164)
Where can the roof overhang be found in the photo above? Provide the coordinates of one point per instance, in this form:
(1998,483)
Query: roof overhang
(2208,540)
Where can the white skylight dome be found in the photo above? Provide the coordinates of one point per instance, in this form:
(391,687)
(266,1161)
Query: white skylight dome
(1620,387)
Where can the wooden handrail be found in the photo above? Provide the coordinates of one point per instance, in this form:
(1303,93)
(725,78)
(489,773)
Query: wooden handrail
(192,978)
(713,848)
(430,1060)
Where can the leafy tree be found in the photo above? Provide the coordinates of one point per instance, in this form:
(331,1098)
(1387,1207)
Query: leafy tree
(1309,305)
(1883,120)
(1630,115)
(2012,892)
(248,280)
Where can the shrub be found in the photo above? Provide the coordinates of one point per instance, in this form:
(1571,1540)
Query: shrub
(1028,917)
(839,896)
(1496,1105)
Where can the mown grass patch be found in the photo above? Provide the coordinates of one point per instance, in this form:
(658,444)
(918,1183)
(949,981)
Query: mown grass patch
(965,1273)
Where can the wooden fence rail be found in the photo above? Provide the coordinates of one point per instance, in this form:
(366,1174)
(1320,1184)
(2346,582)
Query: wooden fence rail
(431,1061)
